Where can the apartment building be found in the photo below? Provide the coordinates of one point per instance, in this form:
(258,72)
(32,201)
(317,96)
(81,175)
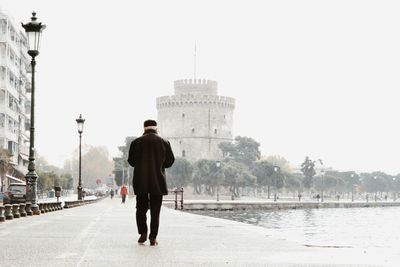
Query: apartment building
(14,94)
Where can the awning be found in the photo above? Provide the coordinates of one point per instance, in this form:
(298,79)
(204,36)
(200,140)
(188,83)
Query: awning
(24,157)
(15,180)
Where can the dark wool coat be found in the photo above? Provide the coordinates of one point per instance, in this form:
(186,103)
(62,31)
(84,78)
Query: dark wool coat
(150,155)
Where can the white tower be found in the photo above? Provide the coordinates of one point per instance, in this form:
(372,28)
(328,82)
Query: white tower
(195,119)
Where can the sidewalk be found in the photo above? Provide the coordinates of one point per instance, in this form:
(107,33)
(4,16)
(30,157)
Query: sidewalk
(104,234)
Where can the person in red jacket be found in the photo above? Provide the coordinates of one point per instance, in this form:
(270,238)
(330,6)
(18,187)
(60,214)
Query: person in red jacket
(124,192)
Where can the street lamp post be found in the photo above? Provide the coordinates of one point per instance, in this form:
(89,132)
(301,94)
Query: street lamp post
(276,170)
(375,189)
(322,186)
(218,165)
(33,30)
(80,122)
(352,187)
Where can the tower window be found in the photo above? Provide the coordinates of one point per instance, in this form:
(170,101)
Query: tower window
(224,116)
(183,153)
(192,130)
(183,115)
(215,131)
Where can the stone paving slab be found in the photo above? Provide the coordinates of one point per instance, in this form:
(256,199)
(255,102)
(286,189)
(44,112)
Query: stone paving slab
(104,234)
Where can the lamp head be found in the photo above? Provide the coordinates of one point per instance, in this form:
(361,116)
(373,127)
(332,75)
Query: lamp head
(80,122)
(33,31)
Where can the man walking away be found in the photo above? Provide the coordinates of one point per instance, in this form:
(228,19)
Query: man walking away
(149,155)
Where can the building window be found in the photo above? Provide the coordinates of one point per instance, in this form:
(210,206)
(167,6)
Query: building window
(192,130)
(183,153)
(2,120)
(224,116)
(215,131)
(183,115)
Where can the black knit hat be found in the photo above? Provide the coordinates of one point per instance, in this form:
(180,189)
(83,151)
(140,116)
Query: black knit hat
(150,123)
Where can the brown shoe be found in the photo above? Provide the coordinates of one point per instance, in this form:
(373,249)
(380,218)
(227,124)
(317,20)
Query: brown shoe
(142,238)
(153,242)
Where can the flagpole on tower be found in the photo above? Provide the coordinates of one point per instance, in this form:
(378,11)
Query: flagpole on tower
(195,51)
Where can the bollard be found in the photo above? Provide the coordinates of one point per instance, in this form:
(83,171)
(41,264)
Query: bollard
(53,206)
(46,207)
(15,211)
(2,218)
(7,212)
(41,207)
(59,205)
(22,211)
(28,209)
(35,209)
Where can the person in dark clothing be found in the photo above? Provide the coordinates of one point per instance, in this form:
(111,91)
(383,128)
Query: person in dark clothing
(149,155)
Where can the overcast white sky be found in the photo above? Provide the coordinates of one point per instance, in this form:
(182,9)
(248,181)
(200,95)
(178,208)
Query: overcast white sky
(317,78)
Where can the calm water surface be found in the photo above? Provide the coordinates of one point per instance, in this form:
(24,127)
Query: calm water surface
(346,227)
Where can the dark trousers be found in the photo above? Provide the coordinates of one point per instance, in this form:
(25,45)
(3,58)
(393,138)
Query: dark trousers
(123,198)
(143,203)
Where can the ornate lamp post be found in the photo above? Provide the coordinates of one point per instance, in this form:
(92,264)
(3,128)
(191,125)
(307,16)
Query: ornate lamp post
(322,185)
(376,193)
(352,187)
(276,170)
(80,122)
(33,30)
(218,165)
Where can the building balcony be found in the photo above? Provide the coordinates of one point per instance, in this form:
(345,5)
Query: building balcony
(28,87)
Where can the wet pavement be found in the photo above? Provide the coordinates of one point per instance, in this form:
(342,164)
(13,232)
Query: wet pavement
(104,234)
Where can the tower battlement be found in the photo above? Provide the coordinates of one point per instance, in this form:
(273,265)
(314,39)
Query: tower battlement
(193,100)
(196,86)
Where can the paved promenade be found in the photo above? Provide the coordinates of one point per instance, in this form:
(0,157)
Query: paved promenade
(104,234)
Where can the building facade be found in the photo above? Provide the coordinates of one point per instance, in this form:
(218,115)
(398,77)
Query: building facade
(196,119)
(14,89)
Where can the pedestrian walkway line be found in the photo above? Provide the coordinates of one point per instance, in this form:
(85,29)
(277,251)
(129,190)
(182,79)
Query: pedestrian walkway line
(91,236)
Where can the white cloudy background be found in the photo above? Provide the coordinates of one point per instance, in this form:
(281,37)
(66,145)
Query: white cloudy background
(317,78)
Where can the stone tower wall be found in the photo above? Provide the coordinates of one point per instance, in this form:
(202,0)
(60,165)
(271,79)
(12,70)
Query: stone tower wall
(196,123)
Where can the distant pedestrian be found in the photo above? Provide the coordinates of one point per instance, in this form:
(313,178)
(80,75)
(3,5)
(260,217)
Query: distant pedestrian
(318,197)
(111,193)
(299,196)
(149,155)
(124,192)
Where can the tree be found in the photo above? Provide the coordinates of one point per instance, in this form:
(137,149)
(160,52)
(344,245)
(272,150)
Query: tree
(200,173)
(180,174)
(293,183)
(279,161)
(47,180)
(244,150)
(264,170)
(307,168)
(5,165)
(206,174)
(66,181)
(121,166)
(237,175)
(95,163)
